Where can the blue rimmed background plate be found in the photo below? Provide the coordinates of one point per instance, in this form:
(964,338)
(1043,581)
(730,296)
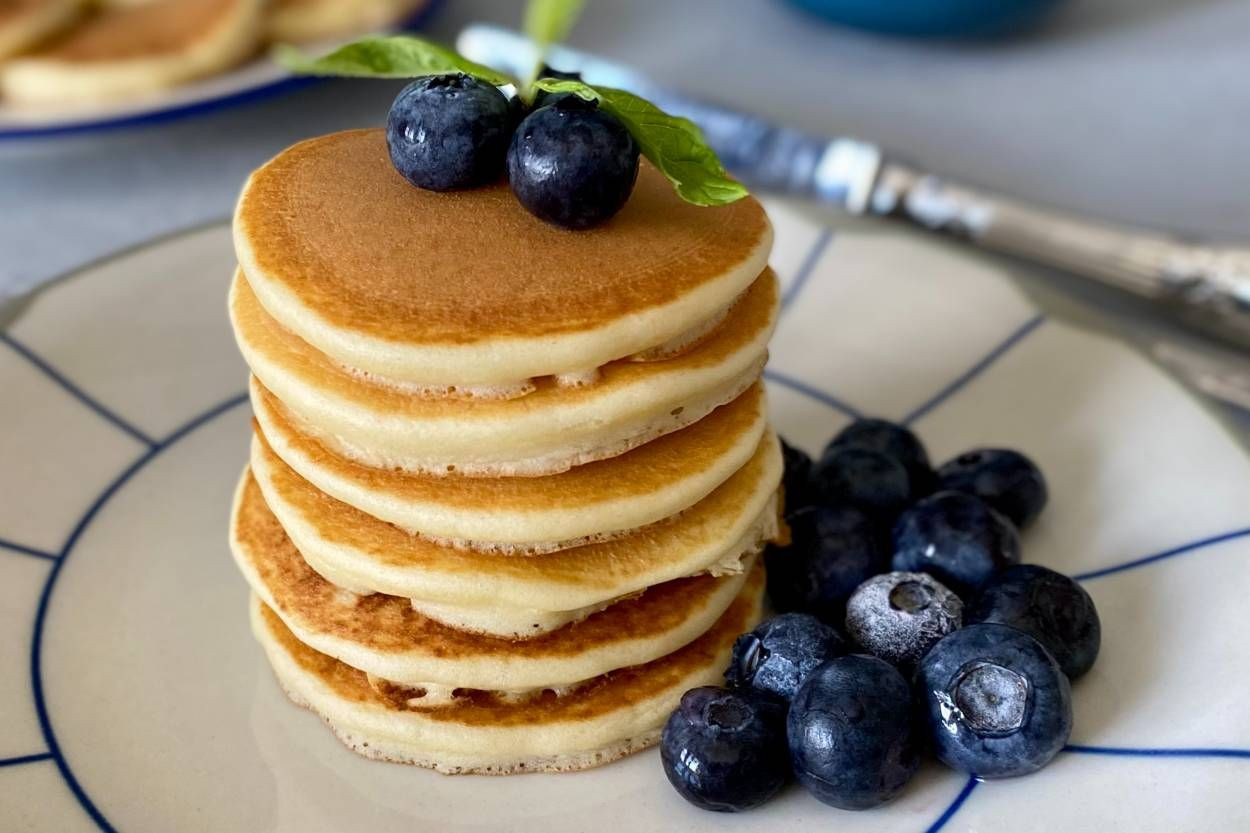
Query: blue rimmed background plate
(249,82)
(133,698)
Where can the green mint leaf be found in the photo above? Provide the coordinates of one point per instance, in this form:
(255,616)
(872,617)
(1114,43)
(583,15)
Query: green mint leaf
(400,56)
(550,21)
(673,144)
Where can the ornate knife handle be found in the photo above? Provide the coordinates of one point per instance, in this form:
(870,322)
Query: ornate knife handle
(1208,286)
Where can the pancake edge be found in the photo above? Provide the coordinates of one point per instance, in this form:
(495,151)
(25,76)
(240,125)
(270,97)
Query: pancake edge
(553,440)
(377,733)
(490,529)
(758,520)
(495,672)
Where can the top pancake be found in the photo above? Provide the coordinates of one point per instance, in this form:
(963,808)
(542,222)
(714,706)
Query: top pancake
(467,287)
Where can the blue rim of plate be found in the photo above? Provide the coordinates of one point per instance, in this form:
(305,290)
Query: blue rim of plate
(156,446)
(200,107)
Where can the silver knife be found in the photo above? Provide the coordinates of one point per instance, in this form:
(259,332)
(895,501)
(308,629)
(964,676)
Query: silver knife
(1206,287)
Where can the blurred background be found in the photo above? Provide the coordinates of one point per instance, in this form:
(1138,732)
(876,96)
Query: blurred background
(1132,111)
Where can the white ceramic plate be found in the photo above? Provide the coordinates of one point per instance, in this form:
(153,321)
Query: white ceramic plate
(251,81)
(133,698)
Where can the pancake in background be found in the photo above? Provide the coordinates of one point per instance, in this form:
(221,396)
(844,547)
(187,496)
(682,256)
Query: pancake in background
(130,51)
(469,288)
(384,636)
(26,24)
(596,501)
(521,597)
(545,432)
(596,723)
(296,21)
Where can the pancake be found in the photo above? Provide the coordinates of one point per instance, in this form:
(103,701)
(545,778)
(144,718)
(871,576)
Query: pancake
(384,636)
(297,21)
(521,596)
(25,24)
(131,51)
(469,288)
(546,432)
(601,721)
(596,501)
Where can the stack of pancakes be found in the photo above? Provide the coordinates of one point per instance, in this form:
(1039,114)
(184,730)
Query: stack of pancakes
(508,483)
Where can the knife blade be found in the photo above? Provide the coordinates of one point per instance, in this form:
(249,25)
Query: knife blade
(1204,287)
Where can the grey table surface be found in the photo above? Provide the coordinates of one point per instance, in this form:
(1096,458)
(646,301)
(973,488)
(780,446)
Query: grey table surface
(1130,110)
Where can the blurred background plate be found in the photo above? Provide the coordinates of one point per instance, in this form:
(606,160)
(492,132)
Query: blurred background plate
(132,696)
(254,80)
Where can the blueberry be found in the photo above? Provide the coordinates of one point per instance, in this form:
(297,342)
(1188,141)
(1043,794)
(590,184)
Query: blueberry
(851,733)
(956,538)
(542,97)
(899,616)
(1007,480)
(798,478)
(777,656)
(872,480)
(833,549)
(571,164)
(725,750)
(892,440)
(449,131)
(996,702)
(517,111)
(1050,607)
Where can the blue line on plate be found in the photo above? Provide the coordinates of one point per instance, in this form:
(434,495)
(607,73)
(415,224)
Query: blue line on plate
(25,759)
(1126,751)
(814,255)
(971,373)
(195,108)
(951,810)
(36,645)
(25,550)
(1161,556)
(807,390)
(75,391)
(941,396)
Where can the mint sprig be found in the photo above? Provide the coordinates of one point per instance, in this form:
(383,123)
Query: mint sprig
(399,56)
(675,145)
(547,22)
(550,21)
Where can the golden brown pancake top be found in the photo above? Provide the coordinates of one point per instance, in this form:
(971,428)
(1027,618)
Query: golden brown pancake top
(146,30)
(389,624)
(604,565)
(604,694)
(332,221)
(641,471)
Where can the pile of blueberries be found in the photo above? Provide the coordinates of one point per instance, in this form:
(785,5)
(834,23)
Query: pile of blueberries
(569,162)
(906,625)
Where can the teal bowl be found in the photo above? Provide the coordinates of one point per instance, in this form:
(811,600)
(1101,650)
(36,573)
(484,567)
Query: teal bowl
(931,18)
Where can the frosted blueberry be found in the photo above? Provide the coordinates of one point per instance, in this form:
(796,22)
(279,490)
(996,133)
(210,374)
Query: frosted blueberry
(899,616)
